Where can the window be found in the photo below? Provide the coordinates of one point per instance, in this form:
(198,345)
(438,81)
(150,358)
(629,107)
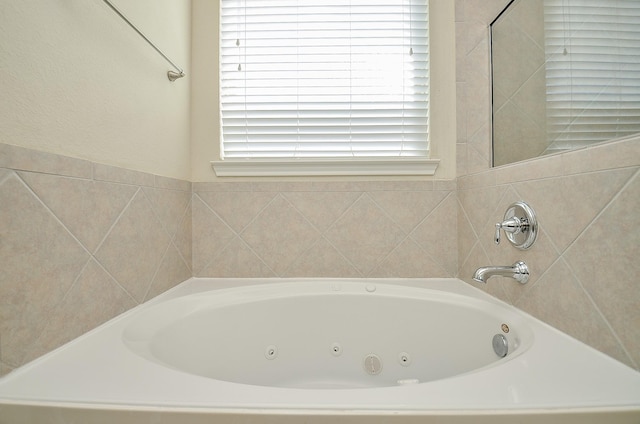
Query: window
(325,87)
(592,71)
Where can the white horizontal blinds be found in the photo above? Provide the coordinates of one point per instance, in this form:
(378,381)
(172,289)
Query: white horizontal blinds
(336,78)
(592,70)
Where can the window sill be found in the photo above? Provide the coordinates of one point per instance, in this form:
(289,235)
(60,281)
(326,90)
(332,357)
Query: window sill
(324,167)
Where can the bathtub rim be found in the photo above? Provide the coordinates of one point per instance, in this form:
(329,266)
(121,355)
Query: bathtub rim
(199,284)
(53,412)
(133,335)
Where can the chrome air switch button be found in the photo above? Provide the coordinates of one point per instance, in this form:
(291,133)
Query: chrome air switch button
(500,345)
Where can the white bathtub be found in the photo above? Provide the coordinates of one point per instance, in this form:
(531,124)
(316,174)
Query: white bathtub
(418,350)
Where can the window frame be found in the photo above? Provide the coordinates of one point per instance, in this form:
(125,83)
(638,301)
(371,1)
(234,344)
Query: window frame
(350,166)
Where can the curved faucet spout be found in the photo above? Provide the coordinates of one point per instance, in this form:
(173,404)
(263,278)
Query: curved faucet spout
(518,271)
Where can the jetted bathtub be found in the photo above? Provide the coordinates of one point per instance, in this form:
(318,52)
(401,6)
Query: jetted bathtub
(418,350)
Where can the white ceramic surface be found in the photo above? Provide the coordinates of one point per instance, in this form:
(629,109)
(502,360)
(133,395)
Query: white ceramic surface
(201,347)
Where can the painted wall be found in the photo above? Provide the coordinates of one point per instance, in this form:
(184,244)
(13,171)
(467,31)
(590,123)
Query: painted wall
(78,81)
(584,264)
(205,112)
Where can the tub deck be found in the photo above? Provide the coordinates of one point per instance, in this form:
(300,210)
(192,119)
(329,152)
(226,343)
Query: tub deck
(555,378)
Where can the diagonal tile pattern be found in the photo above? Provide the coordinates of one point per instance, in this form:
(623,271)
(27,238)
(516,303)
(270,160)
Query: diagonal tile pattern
(136,234)
(567,204)
(279,234)
(365,234)
(584,263)
(237,260)
(183,237)
(169,206)
(80,243)
(172,269)
(589,231)
(322,260)
(407,209)
(604,259)
(408,260)
(87,208)
(559,300)
(211,236)
(78,312)
(322,208)
(345,229)
(441,221)
(40,262)
(238,208)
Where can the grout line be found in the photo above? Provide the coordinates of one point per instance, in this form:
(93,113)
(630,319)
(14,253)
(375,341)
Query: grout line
(90,254)
(7,175)
(473,230)
(319,233)
(155,273)
(115,221)
(323,234)
(115,280)
(241,240)
(529,287)
(333,224)
(51,173)
(344,212)
(53,215)
(226,247)
(165,226)
(223,248)
(412,236)
(155,213)
(581,285)
(349,261)
(602,211)
(175,236)
(53,310)
(594,304)
(107,233)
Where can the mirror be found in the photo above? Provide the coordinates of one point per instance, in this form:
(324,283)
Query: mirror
(565,74)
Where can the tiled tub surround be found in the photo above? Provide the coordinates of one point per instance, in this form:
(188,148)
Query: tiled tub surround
(325,229)
(584,265)
(81,243)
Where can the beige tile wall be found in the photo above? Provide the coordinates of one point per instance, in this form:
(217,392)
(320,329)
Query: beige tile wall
(584,267)
(324,229)
(80,243)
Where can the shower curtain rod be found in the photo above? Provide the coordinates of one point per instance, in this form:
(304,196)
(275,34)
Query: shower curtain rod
(170,74)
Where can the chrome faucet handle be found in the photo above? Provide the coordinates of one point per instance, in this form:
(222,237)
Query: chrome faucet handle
(512,225)
(519,225)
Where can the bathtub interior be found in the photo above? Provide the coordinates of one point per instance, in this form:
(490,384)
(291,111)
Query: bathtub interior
(326,336)
(124,365)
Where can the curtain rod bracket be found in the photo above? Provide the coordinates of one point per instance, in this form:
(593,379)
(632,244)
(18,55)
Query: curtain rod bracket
(174,75)
(170,74)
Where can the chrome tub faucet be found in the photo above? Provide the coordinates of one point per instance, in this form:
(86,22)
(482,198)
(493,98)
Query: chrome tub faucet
(518,271)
